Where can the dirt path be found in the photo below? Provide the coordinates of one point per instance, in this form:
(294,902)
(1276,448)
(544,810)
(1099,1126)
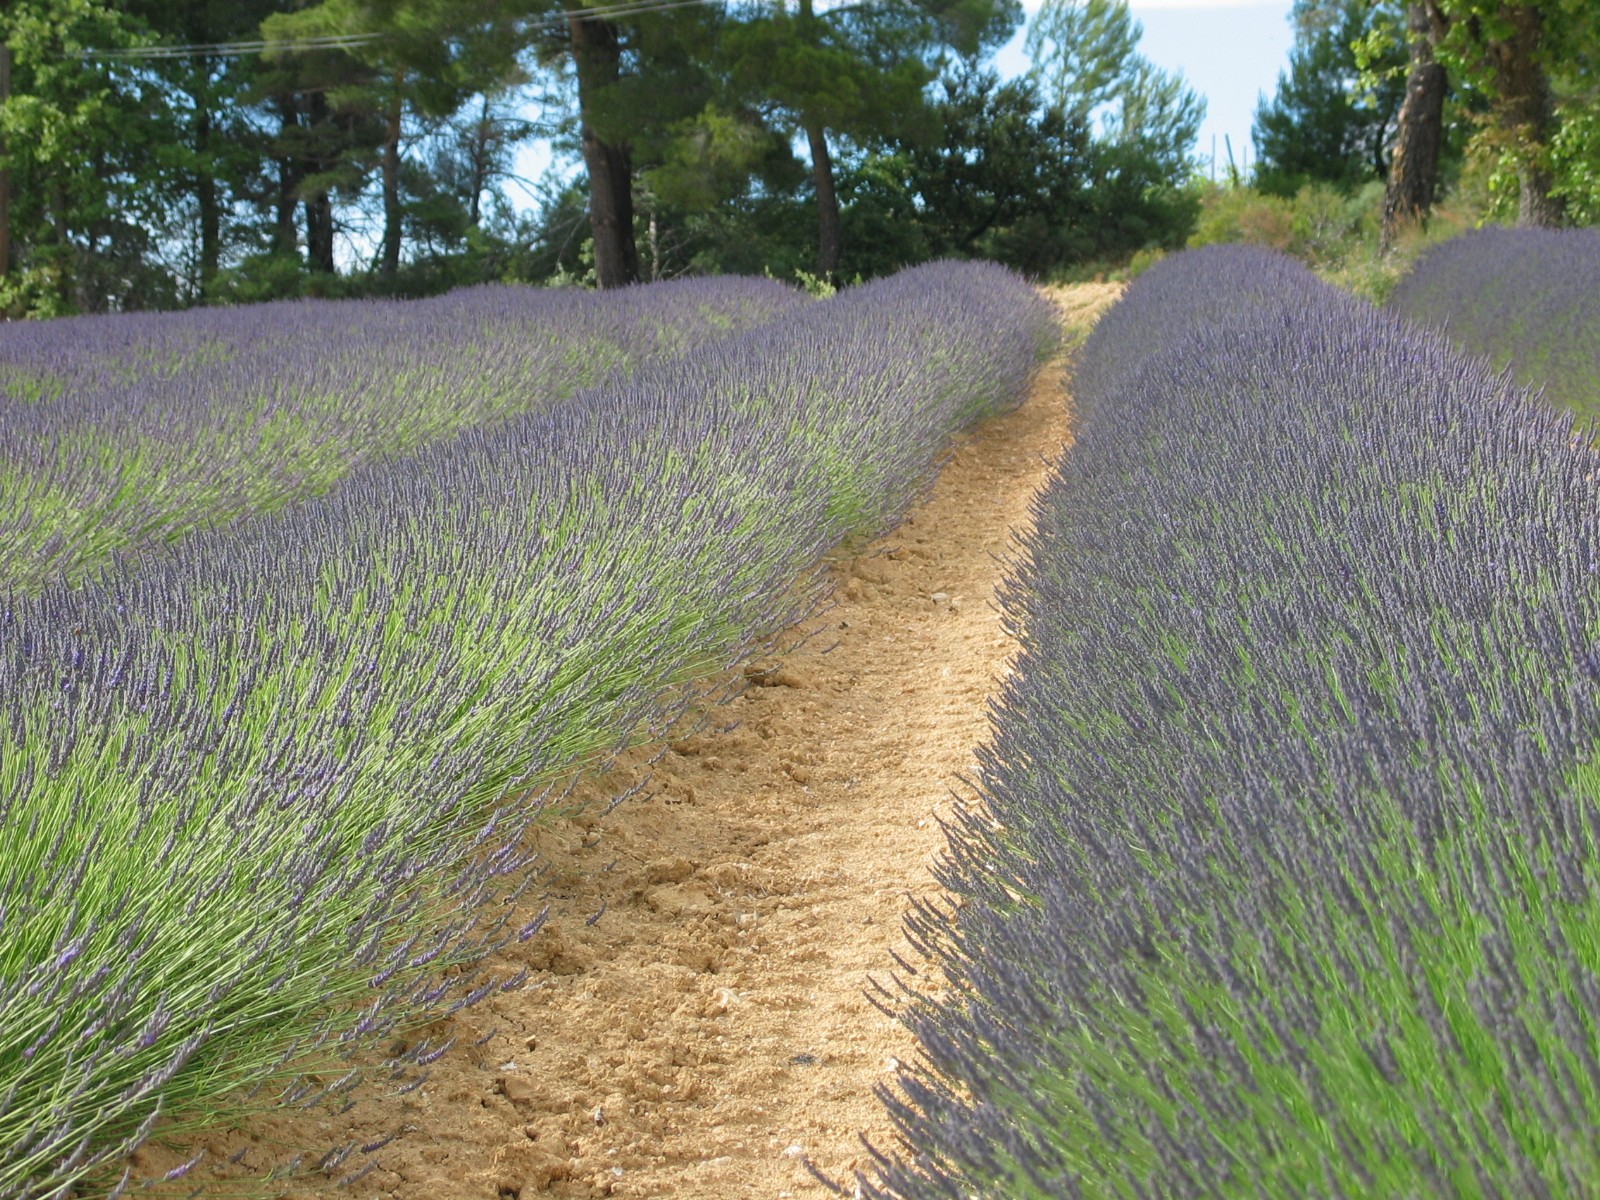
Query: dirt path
(710,1030)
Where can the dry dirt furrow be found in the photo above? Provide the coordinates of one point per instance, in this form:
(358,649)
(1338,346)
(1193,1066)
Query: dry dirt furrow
(710,1030)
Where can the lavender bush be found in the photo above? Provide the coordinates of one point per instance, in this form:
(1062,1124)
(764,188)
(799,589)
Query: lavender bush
(1523,298)
(121,432)
(1285,880)
(253,791)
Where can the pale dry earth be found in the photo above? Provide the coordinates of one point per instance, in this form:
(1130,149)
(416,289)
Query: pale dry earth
(711,1031)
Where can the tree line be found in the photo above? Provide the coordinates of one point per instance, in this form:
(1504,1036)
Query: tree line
(160,153)
(1409,92)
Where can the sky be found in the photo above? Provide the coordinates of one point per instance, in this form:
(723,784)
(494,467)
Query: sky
(1230,53)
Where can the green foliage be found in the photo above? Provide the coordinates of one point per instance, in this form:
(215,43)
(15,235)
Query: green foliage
(857,72)
(1143,261)
(492,253)
(1001,176)
(884,212)
(1138,203)
(91,169)
(1087,66)
(1333,232)
(859,77)
(815,285)
(431,53)
(1320,224)
(261,277)
(220,147)
(1328,123)
(1081,51)
(380,168)
(1159,117)
(1575,152)
(713,155)
(1486,48)
(1006,178)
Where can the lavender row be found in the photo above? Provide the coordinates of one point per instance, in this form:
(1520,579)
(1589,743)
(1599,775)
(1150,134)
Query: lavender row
(117,433)
(1285,880)
(253,790)
(1523,298)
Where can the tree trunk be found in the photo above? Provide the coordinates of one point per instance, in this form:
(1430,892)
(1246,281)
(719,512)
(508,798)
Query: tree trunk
(1525,113)
(205,194)
(598,56)
(1419,132)
(829,240)
(391,187)
(63,245)
(319,205)
(284,238)
(5,172)
(319,232)
(1536,207)
(655,250)
(482,135)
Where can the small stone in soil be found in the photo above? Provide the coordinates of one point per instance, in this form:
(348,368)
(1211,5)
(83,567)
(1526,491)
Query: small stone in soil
(518,1090)
(803,1060)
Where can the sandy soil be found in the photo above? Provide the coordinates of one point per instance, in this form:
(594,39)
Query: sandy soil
(710,1033)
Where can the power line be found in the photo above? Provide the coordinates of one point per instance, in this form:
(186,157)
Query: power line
(219,49)
(351,40)
(347,41)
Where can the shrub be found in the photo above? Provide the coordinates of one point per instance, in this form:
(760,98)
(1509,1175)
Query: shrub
(1287,872)
(1524,299)
(261,790)
(118,434)
(1320,225)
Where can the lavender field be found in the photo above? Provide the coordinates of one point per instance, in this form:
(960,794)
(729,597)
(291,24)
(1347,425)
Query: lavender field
(119,434)
(1526,299)
(1287,876)
(261,789)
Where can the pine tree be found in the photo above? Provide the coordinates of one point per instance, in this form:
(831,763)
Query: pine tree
(1087,66)
(1324,125)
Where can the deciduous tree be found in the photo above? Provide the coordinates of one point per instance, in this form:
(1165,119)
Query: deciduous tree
(92,179)
(1419,130)
(1533,61)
